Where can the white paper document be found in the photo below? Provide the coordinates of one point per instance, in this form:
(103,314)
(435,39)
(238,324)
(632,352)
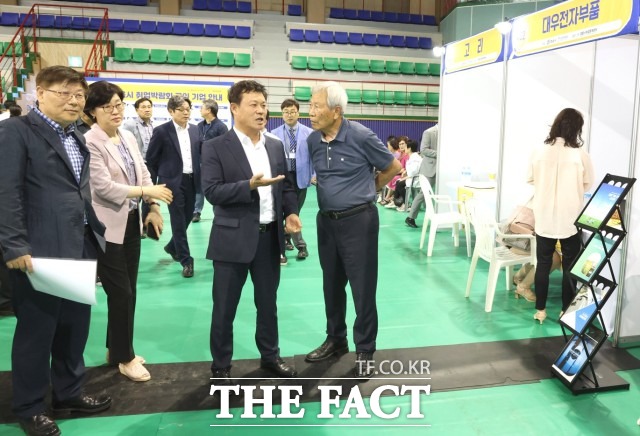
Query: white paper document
(73,279)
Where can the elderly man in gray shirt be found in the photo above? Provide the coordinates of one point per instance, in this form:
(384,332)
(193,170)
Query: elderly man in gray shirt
(345,156)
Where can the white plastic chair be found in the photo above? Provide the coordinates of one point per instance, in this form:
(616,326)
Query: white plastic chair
(497,255)
(451,217)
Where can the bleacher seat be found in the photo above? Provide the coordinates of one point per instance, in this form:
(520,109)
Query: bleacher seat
(122,54)
(384,40)
(296,35)
(370,96)
(411,41)
(433,99)
(209,58)
(376,66)
(302,93)
(415,19)
(164,27)
(115,24)
(418,98)
(404,18)
(311,35)
(230,6)
(314,63)
(401,97)
(193,57)
(79,23)
(407,68)
(294,10)
(326,36)
(422,69)
(386,97)
(226,59)
(391,17)
(47,21)
(243,60)
(362,65)
(245,8)
(131,26)
(180,29)
(369,39)
(243,32)
(377,16)
(214,5)
(212,30)
(336,13)
(94,23)
(397,41)
(331,64)
(227,31)
(341,38)
(177,56)
(434,69)
(429,20)
(140,55)
(196,29)
(26,20)
(392,67)
(158,56)
(354,96)
(199,5)
(425,42)
(62,22)
(364,15)
(148,26)
(10,19)
(139,2)
(350,14)
(355,38)
(347,64)
(299,62)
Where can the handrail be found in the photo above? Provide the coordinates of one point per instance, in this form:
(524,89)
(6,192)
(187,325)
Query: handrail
(14,57)
(100,50)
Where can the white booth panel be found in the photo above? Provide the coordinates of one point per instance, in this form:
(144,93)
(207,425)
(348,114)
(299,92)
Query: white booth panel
(538,87)
(470,120)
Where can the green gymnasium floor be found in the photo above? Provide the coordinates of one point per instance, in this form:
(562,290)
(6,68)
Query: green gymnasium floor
(421,304)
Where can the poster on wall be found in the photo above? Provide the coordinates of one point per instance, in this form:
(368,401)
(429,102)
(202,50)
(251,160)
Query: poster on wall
(589,298)
(159,91)
(576,354)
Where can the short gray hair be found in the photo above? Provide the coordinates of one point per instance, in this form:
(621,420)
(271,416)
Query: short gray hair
(212,105)
(176,102)
(336,95)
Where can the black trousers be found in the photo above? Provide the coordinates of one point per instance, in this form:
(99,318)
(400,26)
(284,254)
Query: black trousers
(181,212)
(348,250)
(5,286)
(228,281)
(48,343)
(298,240)
(118,271)
(544,254)
(145,206)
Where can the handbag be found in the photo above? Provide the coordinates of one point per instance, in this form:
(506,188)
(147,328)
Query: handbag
(522,222)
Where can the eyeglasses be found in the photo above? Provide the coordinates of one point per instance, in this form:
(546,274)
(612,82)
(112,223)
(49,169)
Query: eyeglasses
(109,108)
(289,113)
(184,110)
(80,96)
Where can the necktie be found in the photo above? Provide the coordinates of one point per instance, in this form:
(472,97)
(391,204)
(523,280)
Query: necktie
(292,148)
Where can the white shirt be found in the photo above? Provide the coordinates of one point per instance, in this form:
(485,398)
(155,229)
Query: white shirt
(259,162)
(5,115)
(413,168)
(185,148)
(560,176)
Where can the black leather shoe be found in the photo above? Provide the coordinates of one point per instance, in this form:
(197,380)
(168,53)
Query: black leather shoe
(187,270)
(221,376)
(83,403)
(302,254)
(39,425)
(364,365)
(327,349)
(172,254)
(411,223)
(288,246)
(196,217)
(279,367)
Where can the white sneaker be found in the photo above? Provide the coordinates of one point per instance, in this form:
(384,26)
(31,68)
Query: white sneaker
(391,205)
(402,208)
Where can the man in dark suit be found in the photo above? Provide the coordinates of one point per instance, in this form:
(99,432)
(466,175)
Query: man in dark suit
(46,212)
(243,176)
(174,155)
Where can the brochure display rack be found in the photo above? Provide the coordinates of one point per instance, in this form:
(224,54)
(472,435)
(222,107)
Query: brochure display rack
(582,323)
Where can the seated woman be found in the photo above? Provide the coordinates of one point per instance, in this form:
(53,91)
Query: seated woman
(391,186)
(411,170)
(119,182)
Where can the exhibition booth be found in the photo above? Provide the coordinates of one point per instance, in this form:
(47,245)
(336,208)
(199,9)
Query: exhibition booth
(501,90)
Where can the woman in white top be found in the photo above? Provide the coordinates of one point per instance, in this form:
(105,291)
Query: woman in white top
(560,171)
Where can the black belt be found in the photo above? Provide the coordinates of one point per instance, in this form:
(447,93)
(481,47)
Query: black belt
(266,227)
(338,214)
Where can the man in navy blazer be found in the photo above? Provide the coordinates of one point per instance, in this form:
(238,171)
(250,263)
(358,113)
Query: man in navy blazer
(243,176)
(46,212)
(174,155)
(294,137)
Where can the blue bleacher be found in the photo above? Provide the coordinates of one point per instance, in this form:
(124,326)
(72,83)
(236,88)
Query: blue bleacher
(10,19)
(212,30)
(196,29)
(180,29)
(164,27)
(355,38)
(415,19)
(296,35)
(384,40)
(45,20)
(80,23)
(404,18)
(311,35)
(391,17)
(243,32)
(294,10)
(115,24)
(425,42)
(429,20)
(411,41)
(62,22)
(397,41)
(214,5)
(227,31)
(244,7)
(350,14)
(148,26)
(229,6)
(326,36)
(364,15)
(377,16)
(131,26)
(336,13)
(199,5)
(369,39)
(139,2)
(341,38)
(94,23)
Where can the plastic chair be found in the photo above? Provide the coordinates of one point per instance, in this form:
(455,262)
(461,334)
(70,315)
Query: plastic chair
(230,6)
(296,35)
(350,14)
(212,30)
(164,27)
(377,16)
(401,97)
(347,64)
(384,40)
(433,99)
(362,65)
(407,68)
(311,35)
(398,41)
(299,62)
(392,67)
(434,69)
(370,96)
(199,5)
(424,42)
(196,29)
(209,58)
(294,10)
(214,5)
(422,69)
(177,57)
(314,63)
(225,59)
(386,97)
(451,217)
(331,64)
(191,57)
(140,55)
(376,66)
(498,256)
(404,18)
(227,31)
(131,26)
(122,54)
(336,13)
(10,19)
(62,22)
(244,7)
(418,98)
(302,93)
(243,60)
(364,15)
(341,38)
(355,38)
(148,26)
(180,29)
(47,21)
(80,23)
(326,36)
(369,39)
(411,42)
(243,32)
(354,96)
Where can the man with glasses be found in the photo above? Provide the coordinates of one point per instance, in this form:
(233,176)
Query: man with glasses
(46,212)
(174,155)
(294,137)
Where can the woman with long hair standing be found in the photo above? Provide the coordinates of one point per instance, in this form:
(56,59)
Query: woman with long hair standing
(560,171)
